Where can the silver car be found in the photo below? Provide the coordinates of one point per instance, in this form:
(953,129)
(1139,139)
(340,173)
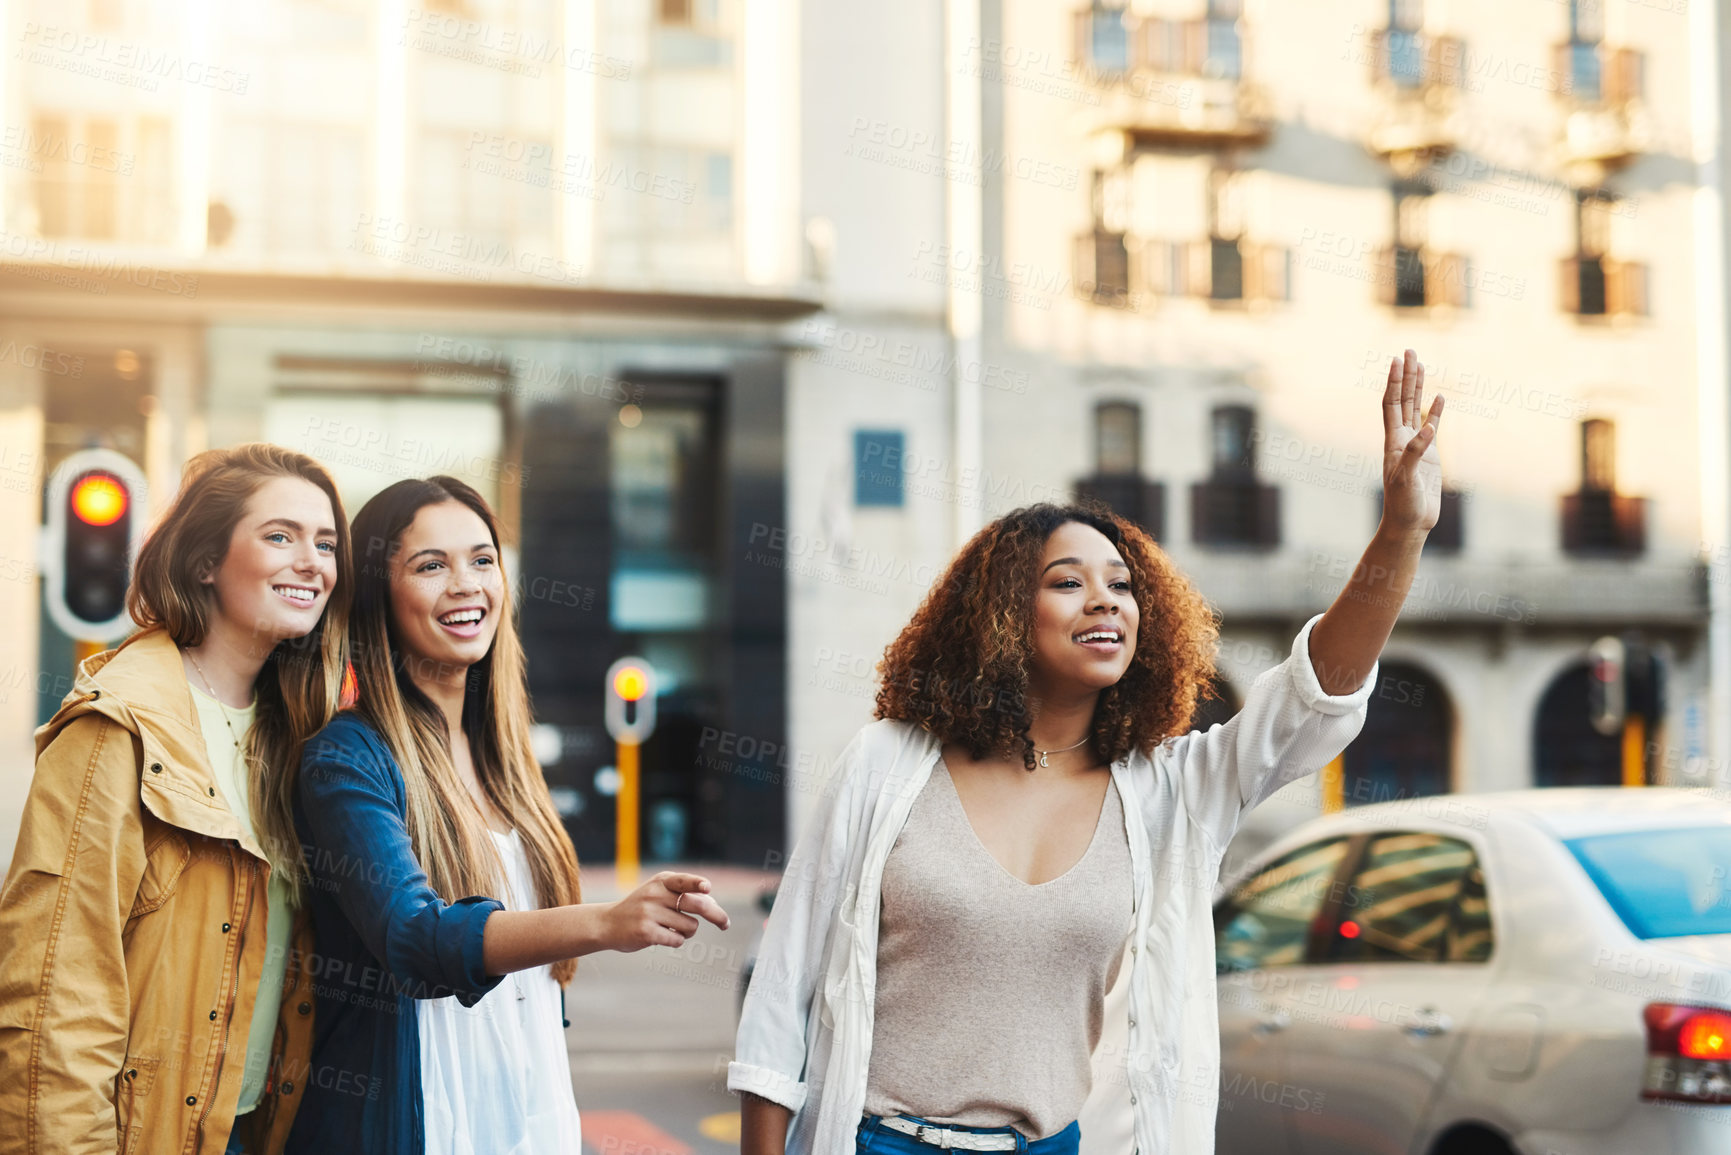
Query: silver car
(1542,972)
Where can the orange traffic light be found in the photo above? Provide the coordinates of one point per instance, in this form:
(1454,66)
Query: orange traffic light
(630,683)
(98,499)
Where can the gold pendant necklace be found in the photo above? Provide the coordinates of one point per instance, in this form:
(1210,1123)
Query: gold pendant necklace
(222,707)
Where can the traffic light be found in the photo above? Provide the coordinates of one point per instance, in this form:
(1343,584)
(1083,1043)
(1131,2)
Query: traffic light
(94,522)
(1607,701)
(630,708)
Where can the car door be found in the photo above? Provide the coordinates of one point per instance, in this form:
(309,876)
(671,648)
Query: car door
(1397,973)
(1262,930)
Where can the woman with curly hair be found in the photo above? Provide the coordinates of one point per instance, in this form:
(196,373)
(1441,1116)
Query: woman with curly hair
(934,971)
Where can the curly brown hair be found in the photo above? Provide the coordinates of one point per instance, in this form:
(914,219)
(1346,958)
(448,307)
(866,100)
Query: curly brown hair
(960,667)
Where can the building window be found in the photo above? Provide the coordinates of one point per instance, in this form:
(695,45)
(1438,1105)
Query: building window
(1597,520)
(1411,217)
(1225,232)
(1598,456)
(1405,44)
(97,182)
(1594,284)
(1233,449)
(1118,438)
(1586,30)
(1224,52)
(877,467)
(1103,37)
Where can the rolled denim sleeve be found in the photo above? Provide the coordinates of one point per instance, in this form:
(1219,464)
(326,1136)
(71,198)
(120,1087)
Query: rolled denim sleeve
(358,850)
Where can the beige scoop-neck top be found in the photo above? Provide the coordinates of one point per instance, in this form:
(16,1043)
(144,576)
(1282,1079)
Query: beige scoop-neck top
(990,989)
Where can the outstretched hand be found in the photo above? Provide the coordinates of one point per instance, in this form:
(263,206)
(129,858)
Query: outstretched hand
(662,912)
(1411,467)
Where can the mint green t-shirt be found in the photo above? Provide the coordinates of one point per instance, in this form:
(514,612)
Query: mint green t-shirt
(230,767)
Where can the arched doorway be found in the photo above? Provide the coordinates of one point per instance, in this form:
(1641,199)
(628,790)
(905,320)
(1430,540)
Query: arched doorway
(1406,747)
(1567,751)
(1218,708)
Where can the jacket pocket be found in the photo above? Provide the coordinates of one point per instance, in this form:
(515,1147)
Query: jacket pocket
(131,1095)
(165,861)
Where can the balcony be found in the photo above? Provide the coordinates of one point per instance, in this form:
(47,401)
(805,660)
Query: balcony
(1100,268)
(1420,75)
(1590,286)
(1170,83)
(1235,511)
(1605,120)
(1408,278)
(1221,270)
(1604,524)
(1129,496)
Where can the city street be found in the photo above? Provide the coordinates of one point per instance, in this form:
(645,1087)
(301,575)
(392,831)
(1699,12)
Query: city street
(651,1033)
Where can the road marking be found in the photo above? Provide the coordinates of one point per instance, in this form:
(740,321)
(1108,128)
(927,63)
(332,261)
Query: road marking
(616,1132)
(723,1128)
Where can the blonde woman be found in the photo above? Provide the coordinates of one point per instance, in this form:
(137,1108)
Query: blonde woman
(439,1025)
(150,998)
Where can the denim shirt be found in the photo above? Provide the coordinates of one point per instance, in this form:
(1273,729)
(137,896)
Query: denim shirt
(384,939)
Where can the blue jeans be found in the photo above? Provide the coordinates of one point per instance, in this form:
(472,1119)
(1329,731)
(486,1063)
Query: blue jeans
(874,1139)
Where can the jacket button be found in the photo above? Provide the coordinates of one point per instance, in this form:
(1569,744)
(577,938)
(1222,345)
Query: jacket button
(212,791)
(225,928)
(213,1016)
(156,767)
(305,1008)
(192,1100)
(288,1088)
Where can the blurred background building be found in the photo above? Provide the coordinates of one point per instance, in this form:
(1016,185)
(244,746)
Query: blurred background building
(745,313)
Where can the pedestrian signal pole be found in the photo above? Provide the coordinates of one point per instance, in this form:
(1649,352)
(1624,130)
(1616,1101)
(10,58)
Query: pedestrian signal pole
(95,519)
(1625,698)
(630,717)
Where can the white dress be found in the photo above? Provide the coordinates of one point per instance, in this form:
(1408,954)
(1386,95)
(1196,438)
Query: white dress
(495,1077)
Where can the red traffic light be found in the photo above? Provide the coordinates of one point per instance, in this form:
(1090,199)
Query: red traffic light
(99,499)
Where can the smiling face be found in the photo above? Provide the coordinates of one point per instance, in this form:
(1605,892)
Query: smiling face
(281,564)
(1085,618)
(445,591)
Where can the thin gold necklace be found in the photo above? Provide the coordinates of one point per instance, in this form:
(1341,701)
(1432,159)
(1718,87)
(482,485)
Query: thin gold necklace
(222,707)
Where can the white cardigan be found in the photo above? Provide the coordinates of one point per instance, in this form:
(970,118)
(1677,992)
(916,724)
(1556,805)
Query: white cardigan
(805,1032)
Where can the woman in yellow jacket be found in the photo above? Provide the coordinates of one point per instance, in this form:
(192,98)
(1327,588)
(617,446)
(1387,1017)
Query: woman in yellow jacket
(154,994)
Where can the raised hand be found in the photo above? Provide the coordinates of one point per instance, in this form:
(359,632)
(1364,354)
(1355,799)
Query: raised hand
(661,912)
(1411,468)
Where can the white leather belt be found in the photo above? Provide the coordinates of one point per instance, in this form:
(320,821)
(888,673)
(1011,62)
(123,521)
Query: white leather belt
(950,1140)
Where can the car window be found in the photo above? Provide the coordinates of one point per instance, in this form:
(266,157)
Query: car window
(1267,920)
(1663,883)
(1415,897)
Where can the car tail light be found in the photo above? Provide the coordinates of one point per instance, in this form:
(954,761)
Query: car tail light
(1688,1053)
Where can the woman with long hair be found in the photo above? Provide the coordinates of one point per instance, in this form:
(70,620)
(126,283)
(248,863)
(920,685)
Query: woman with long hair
(440,1026)
(153,994)
(934,970)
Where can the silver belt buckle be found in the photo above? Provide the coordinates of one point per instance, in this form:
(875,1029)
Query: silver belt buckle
(942,1142)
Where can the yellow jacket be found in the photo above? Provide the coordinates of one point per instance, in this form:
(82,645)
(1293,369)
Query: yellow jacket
(132,933)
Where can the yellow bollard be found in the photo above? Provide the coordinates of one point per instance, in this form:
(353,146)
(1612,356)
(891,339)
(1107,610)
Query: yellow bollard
(1634,750)
(1334,785)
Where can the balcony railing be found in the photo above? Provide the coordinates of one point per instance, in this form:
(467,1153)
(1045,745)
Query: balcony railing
(1602,523)
(1171,82)
(1101,268)
(1219,269)
(1590,286)
(1130,496)
(1409,278)
(1423,74)
(1606,124)
(1235,511)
